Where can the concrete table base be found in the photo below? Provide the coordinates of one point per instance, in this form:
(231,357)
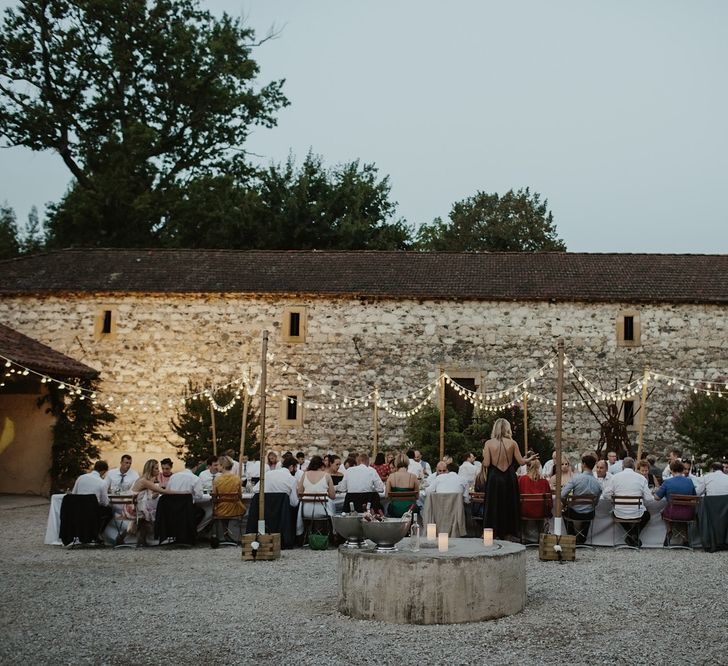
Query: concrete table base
(468,583)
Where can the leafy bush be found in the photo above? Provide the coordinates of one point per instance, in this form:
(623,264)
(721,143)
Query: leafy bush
(703,423)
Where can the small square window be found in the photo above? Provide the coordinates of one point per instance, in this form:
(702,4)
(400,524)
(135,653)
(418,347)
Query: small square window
(291,414)
(628,412)
(294,324)
(628,329)
(105,323)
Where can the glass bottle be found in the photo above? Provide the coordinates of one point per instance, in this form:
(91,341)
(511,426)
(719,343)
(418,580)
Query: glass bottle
(415,532)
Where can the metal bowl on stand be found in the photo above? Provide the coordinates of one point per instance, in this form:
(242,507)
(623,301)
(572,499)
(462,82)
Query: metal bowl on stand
(349,526)
(386,534)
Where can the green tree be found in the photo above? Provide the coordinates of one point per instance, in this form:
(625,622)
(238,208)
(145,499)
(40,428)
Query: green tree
(32,237)
(515,222)
(193,423)
(9,243)
(79,425)
(138,97)
(703,423)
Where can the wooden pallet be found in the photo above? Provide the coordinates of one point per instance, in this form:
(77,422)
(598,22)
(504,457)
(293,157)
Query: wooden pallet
(546,543)
(270,547)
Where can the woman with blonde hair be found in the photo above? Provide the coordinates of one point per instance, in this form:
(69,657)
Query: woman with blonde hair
(500,455)
(147,492)
(532,483)
(226,483)
(566,473)
(401,481)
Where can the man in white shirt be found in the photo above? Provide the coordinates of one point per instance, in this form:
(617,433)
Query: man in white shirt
(426,469)
(121,478)
(631,484)
(93,483)
(548,469)
(207,476)
(614,466)
(601,472)
(468,471)
(187,481)
(672,456)
(715,482)
(282,480)
(414,467)
(448,481)
(361,478)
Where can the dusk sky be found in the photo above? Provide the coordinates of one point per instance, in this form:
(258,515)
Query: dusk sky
(614,111)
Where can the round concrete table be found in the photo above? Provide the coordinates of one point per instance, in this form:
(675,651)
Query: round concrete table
(468,583)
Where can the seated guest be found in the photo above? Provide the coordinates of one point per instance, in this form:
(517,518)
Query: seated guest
(230,453)
(643,467)
(467,469)
(413,467)
(207,476)
(401,481)
(147,492)
(302,462)
(715,482)
(654,469)
(447,480)
(614,465)
(566,473)
(548,467)
(350,461)
(271,461)
(121,478)
(426,469)
(187,481)
(672,456)
(481,480)
(676,484)
(227,483)
(601,472)
(629,483)
(93,483)
(381,467)
(316,480)
(532,483)
(688,473)
(583,483)
(282,480)
(166,474)
(363,483)
(335,470)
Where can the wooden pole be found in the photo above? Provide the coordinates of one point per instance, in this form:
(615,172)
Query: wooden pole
(525,424)
(643,413)
(214,431)
(442,412)
(263,381)
(375,425)
(559,411)
(243,428)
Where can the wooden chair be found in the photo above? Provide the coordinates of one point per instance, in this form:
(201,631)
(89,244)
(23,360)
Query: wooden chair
(626,502)
(687,505)
(123,509)
(581,527)
(534,503)
(475,514)
(314,512)
(408,496)
(219,501)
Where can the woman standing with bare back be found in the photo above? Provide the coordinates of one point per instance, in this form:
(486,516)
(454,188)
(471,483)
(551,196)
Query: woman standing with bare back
(500,455)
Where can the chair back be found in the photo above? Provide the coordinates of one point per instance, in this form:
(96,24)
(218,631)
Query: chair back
(278,517)
(535,506)
(627,504)
(447,510)
(681,508)
(79,518)
(477,498)
(314,505)
(573,501)
(176,519)
(408,495)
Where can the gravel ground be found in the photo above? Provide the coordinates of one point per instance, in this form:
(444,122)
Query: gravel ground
(199,606)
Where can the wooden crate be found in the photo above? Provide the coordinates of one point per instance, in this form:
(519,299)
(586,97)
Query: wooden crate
(546,543)
(270,547)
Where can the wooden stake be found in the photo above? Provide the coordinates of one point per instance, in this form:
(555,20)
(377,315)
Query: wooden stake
(263,381)
(643,413)
(376,420)
(559,414)
(442,412)
(525,424)
(214,432)
(243,428)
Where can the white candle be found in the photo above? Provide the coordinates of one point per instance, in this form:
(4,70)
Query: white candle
(431,531)
(442,542)
(488,536)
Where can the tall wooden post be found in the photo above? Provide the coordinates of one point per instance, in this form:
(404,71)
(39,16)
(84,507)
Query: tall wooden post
(559,414)
(244,428)
(643,413)
(263,381)
(214,431)
(525,424)
(375,425)
(442,412)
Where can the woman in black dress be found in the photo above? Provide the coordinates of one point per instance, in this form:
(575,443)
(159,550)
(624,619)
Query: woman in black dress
(501,457)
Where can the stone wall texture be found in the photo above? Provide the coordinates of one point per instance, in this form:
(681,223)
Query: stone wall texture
(162,342)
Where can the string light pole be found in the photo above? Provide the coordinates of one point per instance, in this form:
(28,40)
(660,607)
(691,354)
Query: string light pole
(213,428)
(643,413)
(375,424)
(559,414)
(243,428)
(442,412)
(525,423)
(263,381)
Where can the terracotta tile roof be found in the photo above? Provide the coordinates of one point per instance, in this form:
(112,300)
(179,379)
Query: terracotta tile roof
(37,356)
(560,276)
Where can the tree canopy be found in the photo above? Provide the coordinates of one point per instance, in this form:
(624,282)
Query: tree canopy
(138,98)
(9,243)
(515,222)
(703,422)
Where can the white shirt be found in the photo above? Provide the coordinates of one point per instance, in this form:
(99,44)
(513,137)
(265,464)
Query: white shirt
(715,483)
(114,482)
(629,483)
(602,480)
(280,481)
(449,483)
(207,478)
(235,470)
(361,479)
(415,468)
(548,469)
(616,468)
(426,469)
(92,484)
(187,481)
(468,471)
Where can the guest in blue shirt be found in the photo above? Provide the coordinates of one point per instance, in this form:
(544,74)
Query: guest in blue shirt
(584,483)
(677,484)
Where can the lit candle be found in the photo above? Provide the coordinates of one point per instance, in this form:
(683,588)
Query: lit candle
(431,531)
(488,536)
(442,542)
